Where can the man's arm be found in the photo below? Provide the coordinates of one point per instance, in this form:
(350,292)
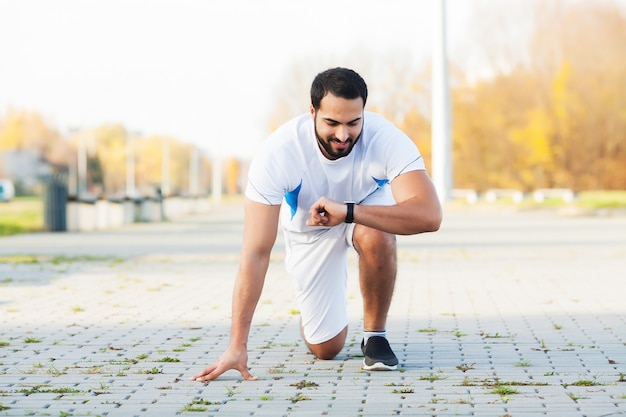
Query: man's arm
(417,208)
(260,227)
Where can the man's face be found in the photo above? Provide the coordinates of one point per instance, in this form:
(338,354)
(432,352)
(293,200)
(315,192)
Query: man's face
(338,125)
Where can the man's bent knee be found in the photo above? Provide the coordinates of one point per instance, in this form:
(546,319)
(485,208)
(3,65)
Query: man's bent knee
(368,239)
(330,348)
(372,242)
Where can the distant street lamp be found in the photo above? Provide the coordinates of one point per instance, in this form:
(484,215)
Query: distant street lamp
(82,167)
(441,113)
(193,172)
(217,180)
(165,168)
(131,190)
(78,171)
(77,185)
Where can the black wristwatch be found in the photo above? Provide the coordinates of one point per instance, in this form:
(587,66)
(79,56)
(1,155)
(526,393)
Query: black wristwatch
(350,212)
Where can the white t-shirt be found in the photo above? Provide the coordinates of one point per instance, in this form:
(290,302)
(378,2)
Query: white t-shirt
(291,169)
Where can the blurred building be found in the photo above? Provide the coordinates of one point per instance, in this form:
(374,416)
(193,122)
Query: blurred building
(24,168)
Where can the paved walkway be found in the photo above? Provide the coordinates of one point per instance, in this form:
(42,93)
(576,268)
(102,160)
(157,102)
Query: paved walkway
(497,314)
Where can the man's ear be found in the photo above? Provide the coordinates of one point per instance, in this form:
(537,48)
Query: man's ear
(312,111)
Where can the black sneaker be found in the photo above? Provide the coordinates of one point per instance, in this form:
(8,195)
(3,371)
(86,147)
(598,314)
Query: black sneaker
(378,355)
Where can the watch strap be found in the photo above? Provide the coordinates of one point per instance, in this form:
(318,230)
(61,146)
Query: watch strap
(350,212)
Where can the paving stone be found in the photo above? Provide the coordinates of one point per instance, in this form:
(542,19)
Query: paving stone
(495,298)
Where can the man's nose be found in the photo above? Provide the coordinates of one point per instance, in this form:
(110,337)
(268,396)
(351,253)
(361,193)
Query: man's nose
(342,133)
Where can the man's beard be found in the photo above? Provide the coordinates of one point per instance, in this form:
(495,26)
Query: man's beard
(336,153)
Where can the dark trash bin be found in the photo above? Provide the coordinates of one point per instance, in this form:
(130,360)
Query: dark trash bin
(55,203)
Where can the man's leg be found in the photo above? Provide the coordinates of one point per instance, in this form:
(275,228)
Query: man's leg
(377,274)
(330,348)
(319,272)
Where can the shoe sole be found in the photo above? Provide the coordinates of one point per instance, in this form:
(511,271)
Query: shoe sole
(379,366)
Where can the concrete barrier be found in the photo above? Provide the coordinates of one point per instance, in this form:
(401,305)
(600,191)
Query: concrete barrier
(470,196)
(495,194)
(150,210)
(115,214)
(87,216)
(81,216)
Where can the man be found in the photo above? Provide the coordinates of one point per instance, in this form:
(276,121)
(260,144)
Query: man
(336,178)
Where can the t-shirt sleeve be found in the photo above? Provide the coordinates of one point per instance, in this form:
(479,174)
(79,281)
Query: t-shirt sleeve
(402,154)
(264,175)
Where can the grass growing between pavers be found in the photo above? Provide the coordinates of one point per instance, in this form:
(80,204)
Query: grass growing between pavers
(509,391)
(460,364)
(411,388)
(26,269)
(436,391)
(199,405)
(76,392)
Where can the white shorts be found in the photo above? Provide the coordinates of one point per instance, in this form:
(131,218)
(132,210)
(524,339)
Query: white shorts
(318,268)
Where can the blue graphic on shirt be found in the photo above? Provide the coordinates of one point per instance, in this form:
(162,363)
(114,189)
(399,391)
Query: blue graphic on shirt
(291,197)
(381,182)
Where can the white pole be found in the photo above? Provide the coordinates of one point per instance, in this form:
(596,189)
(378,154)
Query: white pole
(441,113)
(193,172)
(165,168)
(82,166)
(217,180)
(73,187)
(130,165)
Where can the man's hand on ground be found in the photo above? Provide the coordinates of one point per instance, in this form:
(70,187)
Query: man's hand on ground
(231,359)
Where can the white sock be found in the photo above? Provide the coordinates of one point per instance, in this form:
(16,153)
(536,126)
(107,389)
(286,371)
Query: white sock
(368,334)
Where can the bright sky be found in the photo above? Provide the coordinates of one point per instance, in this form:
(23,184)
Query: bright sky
(202,71)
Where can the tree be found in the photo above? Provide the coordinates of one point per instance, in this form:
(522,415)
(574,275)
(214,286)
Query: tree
(579,48)
(552,115)
(26,130)
(111,151)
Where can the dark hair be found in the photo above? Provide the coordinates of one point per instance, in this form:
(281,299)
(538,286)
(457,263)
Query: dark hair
(340,82)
